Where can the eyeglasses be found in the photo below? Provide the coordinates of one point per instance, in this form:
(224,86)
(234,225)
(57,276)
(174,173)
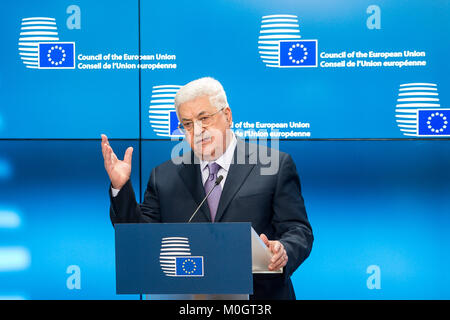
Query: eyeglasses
(204,121)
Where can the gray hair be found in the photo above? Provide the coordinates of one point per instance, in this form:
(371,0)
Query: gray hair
(206,86)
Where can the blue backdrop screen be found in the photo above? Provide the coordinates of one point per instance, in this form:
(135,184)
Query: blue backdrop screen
(357,91)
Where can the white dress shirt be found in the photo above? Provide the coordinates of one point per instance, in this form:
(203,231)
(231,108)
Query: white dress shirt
(224,161)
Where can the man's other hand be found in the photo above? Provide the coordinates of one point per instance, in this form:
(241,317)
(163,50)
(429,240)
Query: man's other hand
(279,258)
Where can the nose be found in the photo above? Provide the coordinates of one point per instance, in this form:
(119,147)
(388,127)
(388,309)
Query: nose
(198,128)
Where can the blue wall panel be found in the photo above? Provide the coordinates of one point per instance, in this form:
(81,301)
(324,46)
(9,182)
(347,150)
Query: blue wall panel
(220,39)
(58,192)
(72,103)
(382,203)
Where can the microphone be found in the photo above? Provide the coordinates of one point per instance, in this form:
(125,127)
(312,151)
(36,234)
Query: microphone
(218,180)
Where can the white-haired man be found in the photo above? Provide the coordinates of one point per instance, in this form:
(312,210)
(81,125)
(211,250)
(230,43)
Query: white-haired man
(271,202)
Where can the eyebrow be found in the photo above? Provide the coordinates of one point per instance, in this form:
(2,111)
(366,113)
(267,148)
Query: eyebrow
(198,115)
(201,113)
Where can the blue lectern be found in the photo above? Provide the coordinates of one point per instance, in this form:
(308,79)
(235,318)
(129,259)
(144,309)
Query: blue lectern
(184,258)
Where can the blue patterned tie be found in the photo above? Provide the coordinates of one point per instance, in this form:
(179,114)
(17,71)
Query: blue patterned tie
(214,197)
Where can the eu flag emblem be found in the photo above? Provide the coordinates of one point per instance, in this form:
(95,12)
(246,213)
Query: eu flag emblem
(173,124)
(189,266)
(299,53)
(433,122)
(56,55)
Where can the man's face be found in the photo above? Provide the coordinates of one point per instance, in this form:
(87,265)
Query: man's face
(209,142)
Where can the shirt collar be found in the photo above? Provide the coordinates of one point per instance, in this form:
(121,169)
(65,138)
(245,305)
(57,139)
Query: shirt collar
(225,159)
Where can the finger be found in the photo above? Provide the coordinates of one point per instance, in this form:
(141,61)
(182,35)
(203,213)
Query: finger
(107,157)
(277,256)
(110,158)
(276,247)
(275,266)
(105,140)
(107,153)
(265,239)
(281,262)
(103,144)
(114,158)
(128,155)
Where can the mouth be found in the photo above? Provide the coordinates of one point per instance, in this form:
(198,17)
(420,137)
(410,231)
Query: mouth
(204,141)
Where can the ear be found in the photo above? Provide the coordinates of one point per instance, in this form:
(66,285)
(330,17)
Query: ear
(228,115)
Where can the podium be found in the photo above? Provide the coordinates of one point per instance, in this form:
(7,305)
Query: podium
(188,260)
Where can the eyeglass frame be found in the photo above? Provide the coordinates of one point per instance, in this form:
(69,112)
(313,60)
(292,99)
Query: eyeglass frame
(183,129)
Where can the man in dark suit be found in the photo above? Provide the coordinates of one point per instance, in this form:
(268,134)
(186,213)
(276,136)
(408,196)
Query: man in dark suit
(250,191)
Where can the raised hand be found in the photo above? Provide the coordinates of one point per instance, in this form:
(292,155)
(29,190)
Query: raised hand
(119,171)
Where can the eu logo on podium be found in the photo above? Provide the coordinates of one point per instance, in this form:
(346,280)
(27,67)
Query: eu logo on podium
(189,266)
(176,260)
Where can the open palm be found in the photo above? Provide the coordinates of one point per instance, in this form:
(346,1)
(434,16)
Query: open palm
(119,171)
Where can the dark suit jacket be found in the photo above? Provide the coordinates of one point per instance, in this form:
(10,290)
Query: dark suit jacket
(272,203)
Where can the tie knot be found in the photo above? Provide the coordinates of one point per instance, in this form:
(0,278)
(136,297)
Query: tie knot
(213,169)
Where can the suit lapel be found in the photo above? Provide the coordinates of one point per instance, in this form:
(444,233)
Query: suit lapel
(237,175)
(191,176)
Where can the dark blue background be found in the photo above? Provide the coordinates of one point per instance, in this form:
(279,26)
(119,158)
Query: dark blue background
(382,203)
